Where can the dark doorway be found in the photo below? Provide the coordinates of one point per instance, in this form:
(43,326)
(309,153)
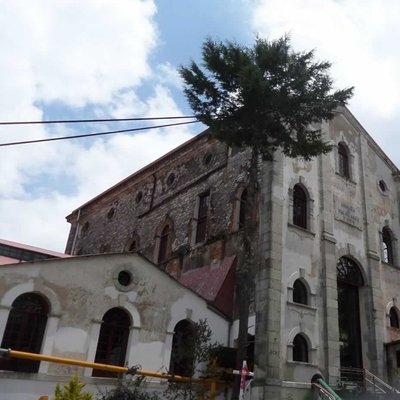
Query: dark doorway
(349,280)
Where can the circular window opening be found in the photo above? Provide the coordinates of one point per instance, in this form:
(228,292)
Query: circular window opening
(111,213)
(124,278)
(382,185)
(207,159)
(139,197)
(171,179)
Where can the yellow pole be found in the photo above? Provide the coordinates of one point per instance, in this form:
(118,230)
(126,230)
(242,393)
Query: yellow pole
(81,363)
(213,389)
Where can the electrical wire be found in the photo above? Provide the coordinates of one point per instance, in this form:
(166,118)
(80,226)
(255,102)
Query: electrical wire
(95,134)
(74,121)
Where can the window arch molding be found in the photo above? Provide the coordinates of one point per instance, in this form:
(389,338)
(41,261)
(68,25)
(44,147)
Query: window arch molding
(309,286)
(388,245)
(182,348)
(311,347)
(348,252)
(163,240)
(309,199)
(113,340)
(25,329)
(133,243)
(391,305)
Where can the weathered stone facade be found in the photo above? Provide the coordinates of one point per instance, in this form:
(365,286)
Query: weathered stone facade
(352,202)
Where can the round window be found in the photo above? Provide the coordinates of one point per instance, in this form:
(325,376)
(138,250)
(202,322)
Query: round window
(124,278)
(382,185)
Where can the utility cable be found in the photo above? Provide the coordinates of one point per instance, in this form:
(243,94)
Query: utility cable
(74,121)
(95,134)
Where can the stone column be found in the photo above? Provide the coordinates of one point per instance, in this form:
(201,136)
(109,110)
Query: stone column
(268,360)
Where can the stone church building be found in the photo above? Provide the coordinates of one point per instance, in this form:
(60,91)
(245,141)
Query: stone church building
(328,279)
(327,286)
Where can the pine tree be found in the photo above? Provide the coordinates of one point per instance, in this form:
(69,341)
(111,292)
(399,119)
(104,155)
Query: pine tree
(266,97)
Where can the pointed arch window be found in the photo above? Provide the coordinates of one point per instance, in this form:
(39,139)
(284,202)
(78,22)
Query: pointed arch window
(299,206)
(243,209)
(182,355)
(300,293)
(387,245)
(344,161)
(113,340)
(164,244)
(394,318)
(202,217)
(300,348)
(24,331)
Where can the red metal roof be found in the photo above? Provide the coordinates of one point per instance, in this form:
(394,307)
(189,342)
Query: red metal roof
(209,281)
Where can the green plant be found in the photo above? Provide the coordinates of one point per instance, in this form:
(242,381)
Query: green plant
(72,391)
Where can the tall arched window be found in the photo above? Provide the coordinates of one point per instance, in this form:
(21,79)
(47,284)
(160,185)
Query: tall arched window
(300,348)
(182,355)
(344,162)
(299,207)
(387,245)
(243,209)
(394,318)
(164,244)
(113,340)
(24,331)
(300,294)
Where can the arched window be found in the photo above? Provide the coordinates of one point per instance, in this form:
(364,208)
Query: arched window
(300,294)
(387,245)
(182,355)
(25,330)
(164,244)
(113,340)
(243,209)
(394,318)
(344,164)
(299,207)
(300,348)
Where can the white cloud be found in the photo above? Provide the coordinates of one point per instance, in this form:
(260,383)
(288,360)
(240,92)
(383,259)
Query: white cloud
(361,42)
(78,54)
(358,40)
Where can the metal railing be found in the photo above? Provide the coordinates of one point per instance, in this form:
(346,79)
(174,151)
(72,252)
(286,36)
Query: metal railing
(364,379)
(325,392)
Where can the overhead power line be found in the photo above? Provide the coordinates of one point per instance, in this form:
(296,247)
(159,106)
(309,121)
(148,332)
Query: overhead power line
(75,121)
(94,134)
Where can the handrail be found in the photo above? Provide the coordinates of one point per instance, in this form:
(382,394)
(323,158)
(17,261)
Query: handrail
(368,379)
(323,391)
(323,387)
(375,381)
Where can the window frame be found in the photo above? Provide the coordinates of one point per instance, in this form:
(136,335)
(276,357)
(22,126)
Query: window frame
(300,349)
(387,246)
(25,330)
(300,292)
(343,160)
(300,207)
(203,206)
(110,334)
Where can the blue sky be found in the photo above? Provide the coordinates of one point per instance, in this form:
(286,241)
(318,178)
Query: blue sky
(107,59)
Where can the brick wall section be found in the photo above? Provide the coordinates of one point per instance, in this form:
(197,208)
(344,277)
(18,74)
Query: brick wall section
(142,203)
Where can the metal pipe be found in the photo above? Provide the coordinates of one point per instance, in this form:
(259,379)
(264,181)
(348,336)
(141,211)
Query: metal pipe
(105,367)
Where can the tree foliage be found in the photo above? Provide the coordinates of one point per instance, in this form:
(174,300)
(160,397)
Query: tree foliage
(72,391)
(267,96)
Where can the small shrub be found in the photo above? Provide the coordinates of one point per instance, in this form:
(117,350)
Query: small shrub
(72,391)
